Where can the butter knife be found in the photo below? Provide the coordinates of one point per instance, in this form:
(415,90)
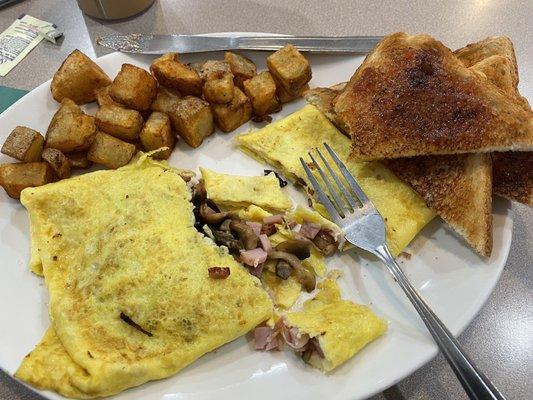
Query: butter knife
(159,44)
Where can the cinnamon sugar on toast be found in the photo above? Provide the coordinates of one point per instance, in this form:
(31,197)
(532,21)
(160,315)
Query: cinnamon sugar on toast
(413,96)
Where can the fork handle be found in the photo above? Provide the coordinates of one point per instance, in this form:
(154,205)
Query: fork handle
(474,382)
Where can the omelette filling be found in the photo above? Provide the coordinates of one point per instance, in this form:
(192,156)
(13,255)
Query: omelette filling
(283,142)
(285,251)
(327,332)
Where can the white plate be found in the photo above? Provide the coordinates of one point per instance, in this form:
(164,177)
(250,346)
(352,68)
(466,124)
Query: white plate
(454,280)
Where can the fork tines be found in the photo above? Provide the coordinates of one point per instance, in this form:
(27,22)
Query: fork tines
(340,198)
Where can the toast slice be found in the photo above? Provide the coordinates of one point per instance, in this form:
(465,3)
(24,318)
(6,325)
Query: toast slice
(458,187)
(494,58)
(413,96)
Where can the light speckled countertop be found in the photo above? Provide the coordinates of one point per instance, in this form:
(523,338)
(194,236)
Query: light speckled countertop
(500,338)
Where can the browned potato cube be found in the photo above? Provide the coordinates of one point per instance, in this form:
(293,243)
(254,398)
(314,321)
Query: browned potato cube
(290,68)
(134,87)
(218,81)
(286,97)
(218,89)
(119,122)
(16,177)
(24,144)
(110,151)
(230,116)
(192,119)
(173,74)
(78,78)
(165,101)
(167,57)
(79,160)
(103,98)
(70,129)
(241,67)
(157,133)
(261,90)
(58,161)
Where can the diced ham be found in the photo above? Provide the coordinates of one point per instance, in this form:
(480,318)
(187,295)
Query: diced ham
(309,229)
(261,336)
(273,219)
(253,257)
(265,242)
(266,338)
(293,339)
(256,226)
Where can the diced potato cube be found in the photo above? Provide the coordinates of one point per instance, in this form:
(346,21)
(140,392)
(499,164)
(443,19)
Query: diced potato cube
(134,87)
(119,122)
(218,81)
(24,144)
(110,151)
(290,68)
(103,98)
(173,74)
(79,160)
(192,119)
(16,177)
(213,68)
(70,129)
(157,133)
(78,78)
(165,101)
(218,89)
(286,97)
(171,56)
(241,67)
(261,90)
(230,116)
(58,161)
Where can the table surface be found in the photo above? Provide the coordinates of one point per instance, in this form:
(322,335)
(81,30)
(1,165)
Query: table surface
(500,338)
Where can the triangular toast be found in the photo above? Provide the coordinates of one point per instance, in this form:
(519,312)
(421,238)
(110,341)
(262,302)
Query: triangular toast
(495,58)
(458,187)
(413,96)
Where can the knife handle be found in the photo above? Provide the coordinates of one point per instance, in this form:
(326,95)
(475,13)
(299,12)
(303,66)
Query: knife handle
(315,44)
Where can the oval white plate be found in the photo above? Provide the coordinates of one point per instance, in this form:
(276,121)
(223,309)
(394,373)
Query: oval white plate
(454,280)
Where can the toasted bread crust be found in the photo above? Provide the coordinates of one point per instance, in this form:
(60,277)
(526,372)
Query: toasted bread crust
(458,187)
(513,176)
(412,96)
(495,59)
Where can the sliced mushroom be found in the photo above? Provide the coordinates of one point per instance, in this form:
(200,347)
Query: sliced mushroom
(305,277)
(199,194)
(325,242)
(211,216)
(283,269)
(300,248)
(245,233)
(226,239)
(224,226)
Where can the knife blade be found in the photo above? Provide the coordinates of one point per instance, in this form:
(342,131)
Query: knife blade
(159,44)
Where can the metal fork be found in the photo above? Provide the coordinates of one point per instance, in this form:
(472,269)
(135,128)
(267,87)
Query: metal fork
(354,213)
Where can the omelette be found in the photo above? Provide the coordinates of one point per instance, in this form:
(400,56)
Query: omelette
(130,294)
(338,328)
(283,142)
(232,191)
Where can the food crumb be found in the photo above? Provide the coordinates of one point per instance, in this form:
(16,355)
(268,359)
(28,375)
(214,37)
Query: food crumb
(219,272)
(405,254)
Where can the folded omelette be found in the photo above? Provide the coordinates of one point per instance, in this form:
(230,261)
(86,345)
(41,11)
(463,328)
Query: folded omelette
(282,143)
(130,297)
